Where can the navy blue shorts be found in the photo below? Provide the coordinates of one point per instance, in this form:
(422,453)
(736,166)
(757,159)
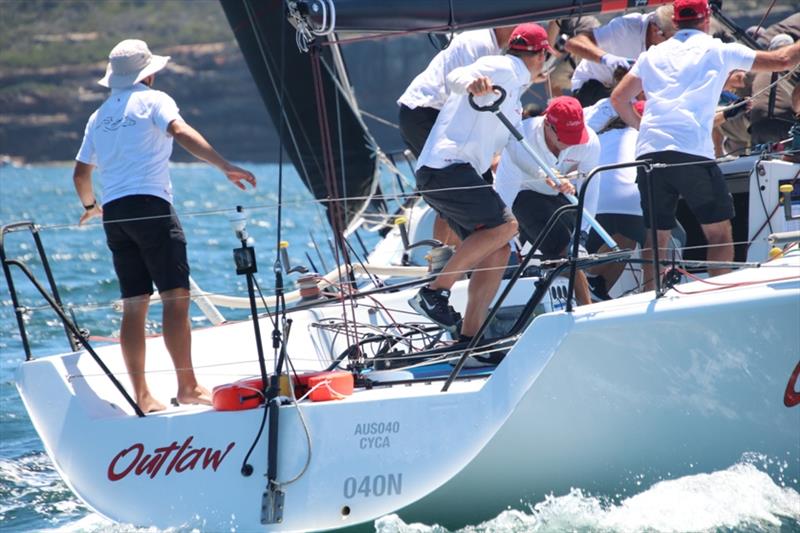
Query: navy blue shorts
(462,197)
(703,187)
(147,243)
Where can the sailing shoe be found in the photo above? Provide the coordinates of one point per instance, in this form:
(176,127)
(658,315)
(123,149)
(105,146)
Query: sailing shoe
(434,305)
(597,287)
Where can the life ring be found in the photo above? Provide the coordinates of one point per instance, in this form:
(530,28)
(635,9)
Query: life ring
(238,396)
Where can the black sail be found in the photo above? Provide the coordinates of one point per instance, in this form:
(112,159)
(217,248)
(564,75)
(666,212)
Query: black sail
(257,25)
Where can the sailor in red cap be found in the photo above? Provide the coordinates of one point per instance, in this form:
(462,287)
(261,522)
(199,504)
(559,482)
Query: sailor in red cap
(458,151)
(562,140)
(682,79)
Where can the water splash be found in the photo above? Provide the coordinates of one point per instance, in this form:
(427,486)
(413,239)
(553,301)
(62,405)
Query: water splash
(740,498)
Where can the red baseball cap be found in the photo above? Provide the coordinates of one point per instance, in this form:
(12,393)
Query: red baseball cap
(690,10)
(565,114)
(528,37)
(638,105)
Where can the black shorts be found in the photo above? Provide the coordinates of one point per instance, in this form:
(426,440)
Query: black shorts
(148,245)
(630,226)
(467,203)
(591,92)
(703,188)
(533,210)
(415,126)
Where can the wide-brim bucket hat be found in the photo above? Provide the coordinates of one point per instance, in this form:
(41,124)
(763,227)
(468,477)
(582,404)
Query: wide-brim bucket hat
(129,62)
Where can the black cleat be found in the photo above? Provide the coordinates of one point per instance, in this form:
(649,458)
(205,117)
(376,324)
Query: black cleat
(435,305)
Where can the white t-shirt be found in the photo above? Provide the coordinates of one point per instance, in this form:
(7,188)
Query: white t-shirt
(682,80)
(127,139)
(429,88)
(518,170)
(617,189)
(463,135)
(624,36)
(599,114)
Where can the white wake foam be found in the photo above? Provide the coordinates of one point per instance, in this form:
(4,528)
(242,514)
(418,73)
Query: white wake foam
(739,498)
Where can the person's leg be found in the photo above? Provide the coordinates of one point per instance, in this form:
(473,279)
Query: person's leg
(720,244)
(611,272)
(472,251)
(483,286)
(443,233)
(132,342)
(647,257)
(178,340)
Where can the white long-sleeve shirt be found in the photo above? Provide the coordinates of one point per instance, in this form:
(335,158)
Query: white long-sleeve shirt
(518,170)
(429,88)
(464,135)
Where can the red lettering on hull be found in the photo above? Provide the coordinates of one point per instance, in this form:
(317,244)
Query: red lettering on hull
(185,457)
(792,395)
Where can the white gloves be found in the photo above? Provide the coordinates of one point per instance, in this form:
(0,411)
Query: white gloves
(614,62)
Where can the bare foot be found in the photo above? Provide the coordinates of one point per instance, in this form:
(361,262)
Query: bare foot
(194,396)
(148,404)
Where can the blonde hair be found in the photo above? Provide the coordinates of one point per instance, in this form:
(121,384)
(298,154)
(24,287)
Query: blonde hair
(662,18)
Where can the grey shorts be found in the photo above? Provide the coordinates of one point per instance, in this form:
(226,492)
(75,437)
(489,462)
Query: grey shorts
(462,197)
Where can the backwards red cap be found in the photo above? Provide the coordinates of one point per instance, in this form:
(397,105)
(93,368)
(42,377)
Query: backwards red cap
(528,37)
(566,115)
(690,10)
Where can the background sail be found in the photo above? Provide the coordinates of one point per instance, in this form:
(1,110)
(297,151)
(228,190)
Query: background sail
(257,27)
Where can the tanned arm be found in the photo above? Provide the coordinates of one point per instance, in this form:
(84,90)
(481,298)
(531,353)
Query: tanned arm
(82,179)
(623,95)
(198,146)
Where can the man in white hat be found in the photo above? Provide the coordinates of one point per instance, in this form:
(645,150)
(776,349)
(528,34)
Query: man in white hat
(129,140)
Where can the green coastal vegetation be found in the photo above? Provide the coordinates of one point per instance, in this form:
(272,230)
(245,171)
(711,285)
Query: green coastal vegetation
(53,33)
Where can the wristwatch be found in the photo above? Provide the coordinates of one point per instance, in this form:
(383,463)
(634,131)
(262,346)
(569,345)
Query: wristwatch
(90,206)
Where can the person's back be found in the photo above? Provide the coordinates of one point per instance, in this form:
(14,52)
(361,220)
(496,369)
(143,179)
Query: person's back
(131,144)
(429,88)
(623,36)
(682,79)
(618,192)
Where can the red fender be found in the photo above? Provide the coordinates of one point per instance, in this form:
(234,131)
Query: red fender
(238,396)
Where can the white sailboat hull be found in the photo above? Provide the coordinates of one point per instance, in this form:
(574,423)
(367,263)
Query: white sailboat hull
(627,388)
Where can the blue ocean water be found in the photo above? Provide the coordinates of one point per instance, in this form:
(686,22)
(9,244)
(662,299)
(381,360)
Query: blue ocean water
(742,497)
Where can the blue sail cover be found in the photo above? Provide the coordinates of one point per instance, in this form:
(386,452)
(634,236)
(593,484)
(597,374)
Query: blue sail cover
(257,25)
